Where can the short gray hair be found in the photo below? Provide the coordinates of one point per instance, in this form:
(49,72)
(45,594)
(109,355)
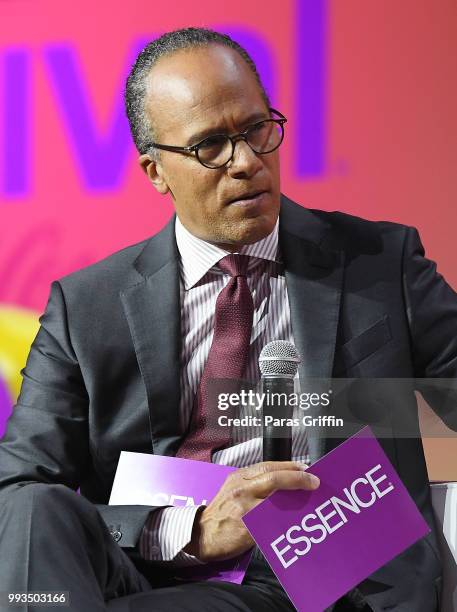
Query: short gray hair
(135,90)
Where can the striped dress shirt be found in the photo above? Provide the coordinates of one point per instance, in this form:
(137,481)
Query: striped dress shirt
(169,530)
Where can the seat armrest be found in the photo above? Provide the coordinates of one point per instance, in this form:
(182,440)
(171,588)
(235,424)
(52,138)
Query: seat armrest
(444,501)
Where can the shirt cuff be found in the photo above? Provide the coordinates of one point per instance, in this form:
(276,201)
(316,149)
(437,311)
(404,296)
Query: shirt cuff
(166,532)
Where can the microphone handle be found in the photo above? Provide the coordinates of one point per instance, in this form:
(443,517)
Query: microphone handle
(277,440)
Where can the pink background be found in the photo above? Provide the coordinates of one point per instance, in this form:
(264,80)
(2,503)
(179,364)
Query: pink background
(390,129)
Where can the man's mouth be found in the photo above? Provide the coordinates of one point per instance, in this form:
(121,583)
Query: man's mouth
(247,198)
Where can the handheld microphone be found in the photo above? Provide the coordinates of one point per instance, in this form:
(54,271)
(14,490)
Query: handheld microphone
(278,363)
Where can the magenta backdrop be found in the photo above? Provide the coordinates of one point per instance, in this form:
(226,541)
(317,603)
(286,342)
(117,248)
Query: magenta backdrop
(369,90)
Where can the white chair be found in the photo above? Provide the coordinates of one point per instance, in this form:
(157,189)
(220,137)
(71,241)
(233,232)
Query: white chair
(444,500)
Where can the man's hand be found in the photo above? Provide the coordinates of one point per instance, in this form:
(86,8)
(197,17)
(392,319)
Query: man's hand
(219,532)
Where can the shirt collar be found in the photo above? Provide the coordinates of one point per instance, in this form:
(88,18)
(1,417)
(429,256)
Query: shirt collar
(197,256)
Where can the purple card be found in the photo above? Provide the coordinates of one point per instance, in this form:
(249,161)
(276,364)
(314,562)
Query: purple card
(156,480)
(322,543)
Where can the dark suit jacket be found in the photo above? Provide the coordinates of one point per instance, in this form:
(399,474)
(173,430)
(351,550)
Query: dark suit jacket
(103,372)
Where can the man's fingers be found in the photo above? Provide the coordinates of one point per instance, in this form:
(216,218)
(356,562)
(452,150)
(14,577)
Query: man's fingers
(273,480)
(256,470)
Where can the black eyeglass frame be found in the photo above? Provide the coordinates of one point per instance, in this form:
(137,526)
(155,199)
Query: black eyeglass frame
(233,139)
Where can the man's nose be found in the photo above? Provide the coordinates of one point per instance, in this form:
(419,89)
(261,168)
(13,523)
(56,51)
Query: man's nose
(244,161)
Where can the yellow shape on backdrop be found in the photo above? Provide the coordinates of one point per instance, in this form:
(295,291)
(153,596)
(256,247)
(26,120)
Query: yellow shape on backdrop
(18,328)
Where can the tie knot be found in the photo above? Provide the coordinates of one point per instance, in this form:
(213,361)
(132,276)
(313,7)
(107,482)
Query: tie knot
(234,265)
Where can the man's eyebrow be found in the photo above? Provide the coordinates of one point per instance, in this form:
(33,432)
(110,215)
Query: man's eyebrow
(202,134)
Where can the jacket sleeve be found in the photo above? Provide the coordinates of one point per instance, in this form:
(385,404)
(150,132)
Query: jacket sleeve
(431,306)
(47,436)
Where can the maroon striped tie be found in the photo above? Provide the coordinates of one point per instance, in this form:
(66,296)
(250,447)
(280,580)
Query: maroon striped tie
(227,360)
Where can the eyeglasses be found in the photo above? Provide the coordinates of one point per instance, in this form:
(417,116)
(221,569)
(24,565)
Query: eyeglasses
(216,151)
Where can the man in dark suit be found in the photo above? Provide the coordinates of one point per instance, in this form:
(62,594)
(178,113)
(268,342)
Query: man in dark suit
(102,374)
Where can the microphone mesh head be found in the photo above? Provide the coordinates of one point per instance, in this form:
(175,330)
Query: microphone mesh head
(279,358)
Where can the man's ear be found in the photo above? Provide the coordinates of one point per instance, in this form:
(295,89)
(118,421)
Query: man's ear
(154,171)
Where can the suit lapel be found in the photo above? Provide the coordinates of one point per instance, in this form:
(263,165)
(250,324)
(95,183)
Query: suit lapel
(152,308)
(314,275)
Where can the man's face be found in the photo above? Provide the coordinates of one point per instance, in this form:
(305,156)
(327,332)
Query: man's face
(194,93)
